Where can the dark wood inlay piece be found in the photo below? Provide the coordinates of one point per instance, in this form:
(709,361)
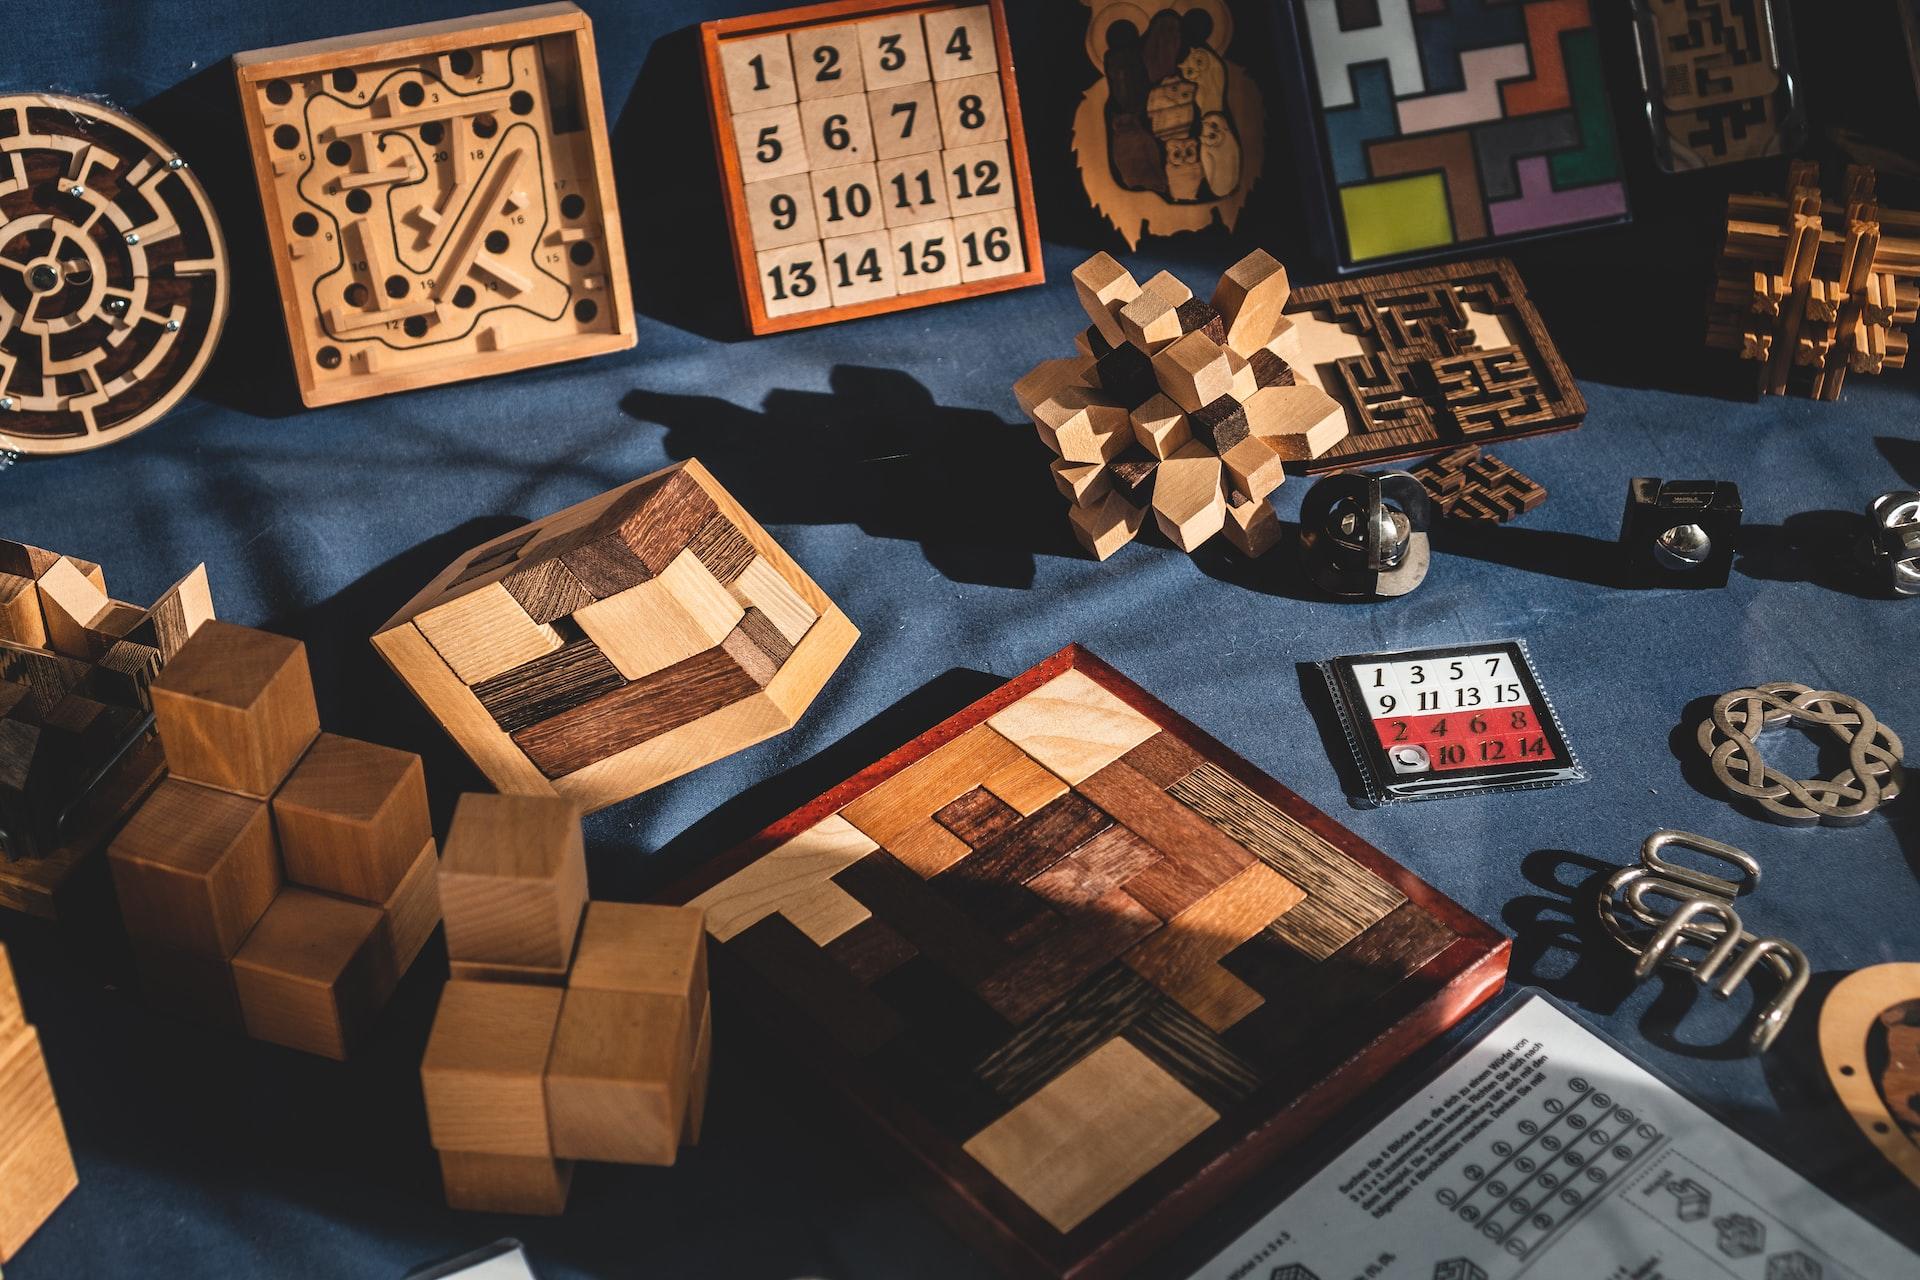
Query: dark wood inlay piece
(570,676)
(786,959)
(635,713)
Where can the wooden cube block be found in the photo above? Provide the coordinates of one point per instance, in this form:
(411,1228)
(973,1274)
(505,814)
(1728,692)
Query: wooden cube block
(352,817)
(570,723)
(26,1091)
(308,975)
(21,621)
(481,1183)
(479,971)
(638,947)
(72,607)
(1193,371)
(187,985)
(1252,527)
(235,709)
(1189,496)
(699,1074)
(195,868)
(484,1067)
(1250,299)
(407,919)
(36,1165)
(617,1080)
(513,883)
(464,181)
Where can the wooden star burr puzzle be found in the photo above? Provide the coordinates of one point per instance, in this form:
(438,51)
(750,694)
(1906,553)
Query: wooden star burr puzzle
(872,158)
(1080,966)
(439,200)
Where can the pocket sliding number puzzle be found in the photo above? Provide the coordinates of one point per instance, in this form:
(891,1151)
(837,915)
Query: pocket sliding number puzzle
(439,201)
(1451,721)
(1087,966)
(1443,125)
(871,157)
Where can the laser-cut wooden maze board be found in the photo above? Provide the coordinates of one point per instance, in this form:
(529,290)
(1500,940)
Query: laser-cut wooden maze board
(872,158)
(1078,957)
(439,200)
(1430,359)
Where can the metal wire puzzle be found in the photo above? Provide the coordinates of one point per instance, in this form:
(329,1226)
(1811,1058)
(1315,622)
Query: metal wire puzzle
(1702,916)
(1874,751)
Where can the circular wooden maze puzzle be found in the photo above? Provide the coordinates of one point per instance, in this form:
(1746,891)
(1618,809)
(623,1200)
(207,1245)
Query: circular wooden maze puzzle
(113,275)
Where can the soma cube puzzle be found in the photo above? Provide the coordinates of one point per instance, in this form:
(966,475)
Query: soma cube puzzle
(872,158)
(439,200)
(620,643)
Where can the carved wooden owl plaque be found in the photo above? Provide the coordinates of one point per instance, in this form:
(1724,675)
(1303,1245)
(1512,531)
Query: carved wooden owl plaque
(1171,136)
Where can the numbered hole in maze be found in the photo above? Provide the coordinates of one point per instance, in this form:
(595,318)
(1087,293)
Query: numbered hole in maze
(1470,1213)
(1549,1181)
(1647,1131)
(1543,1221)
(1596,1174)
(1503,1148)
(1576,1122)
(1550,1142)
(1579,1084)
(1555,1106)
(1492,1230)
(1519,1204)
(1518,1248)
(1570,1196)
(1622,1153)
(1475,1172)
(1447,1197)
(1497,1188)
(1525,1164)
(1529,1127)
(1574,1159)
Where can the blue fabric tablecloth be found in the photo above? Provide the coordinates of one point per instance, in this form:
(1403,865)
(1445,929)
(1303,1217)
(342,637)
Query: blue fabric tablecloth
(887,455)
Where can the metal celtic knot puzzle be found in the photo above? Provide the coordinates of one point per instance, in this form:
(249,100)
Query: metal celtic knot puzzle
(1873,772)
(1702,915)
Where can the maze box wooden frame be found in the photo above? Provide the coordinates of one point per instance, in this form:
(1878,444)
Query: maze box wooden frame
(292,61)
(1455,980)
(732,183)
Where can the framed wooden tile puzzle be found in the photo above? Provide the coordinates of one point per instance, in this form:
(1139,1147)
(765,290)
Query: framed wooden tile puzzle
(439,200)
(1435,125)
(1082,968)
(872,158)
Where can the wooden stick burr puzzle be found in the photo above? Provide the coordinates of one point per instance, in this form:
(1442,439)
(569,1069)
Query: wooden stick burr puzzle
(619,643)
(1185,410)
(872,158)
(439,200)
(113,275)
(572,1030)
(1081,967)
(281,880)
(1810,290)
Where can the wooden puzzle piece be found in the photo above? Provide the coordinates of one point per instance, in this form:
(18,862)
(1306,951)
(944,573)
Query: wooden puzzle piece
(36,1165)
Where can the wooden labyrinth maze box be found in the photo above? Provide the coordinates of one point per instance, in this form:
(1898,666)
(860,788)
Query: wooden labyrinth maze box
(1083,967)
(872,158)
(439,200)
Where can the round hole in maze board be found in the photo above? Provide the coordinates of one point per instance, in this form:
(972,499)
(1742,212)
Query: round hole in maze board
(397,286)
(463,296)
(431,132)
(581,253)
(356,294)
(359,201)
(572,206)
(411,94)
(328,357)
(521,103)
(485,126)
(461,61)
(585,310)
(339,152)
(497,242)
(344,80)
(279,92)
(305,224)
(286,137)
(416,326)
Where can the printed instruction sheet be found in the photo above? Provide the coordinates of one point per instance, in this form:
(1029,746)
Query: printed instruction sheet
(1544,1152)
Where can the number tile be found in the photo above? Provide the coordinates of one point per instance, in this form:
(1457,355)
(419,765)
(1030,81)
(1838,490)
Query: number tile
(792,279)
(989,245)
(960,42)
(893,50)
(912,190)
(770,143)
(758,73)
(787,200)
(905,120)
(929,249)
(847,201)
(826,62)
(971,111)
(857,268)
(838,132)
(978,178)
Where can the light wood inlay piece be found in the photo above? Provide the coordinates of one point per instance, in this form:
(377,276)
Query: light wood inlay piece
(1182,959)
(796,880)
(668,619)
(898,814)
(486,632)
(1072,726)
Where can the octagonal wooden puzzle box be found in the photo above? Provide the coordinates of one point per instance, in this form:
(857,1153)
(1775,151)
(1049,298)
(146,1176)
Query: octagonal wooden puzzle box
(1080,967)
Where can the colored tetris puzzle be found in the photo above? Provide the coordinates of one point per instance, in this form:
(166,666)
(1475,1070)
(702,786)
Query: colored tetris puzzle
(1078,957)
(1447,123)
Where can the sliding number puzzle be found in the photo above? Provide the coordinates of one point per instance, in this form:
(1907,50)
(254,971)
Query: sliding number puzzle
(1078,957)
(1440,125)
(439,201)
(872,158)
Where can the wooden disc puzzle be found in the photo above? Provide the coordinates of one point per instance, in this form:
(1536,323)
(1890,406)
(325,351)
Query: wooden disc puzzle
(1082,966)
(113,275)
(439,200)
(872,158)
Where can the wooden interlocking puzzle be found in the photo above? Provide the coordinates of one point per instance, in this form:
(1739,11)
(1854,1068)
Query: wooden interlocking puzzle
(439,200)
(872,158)
(1435,125)
(1087,967)
(1717,82)
(113,275)
(619,643)
(36,1165)
(1431,359)
(1470,484)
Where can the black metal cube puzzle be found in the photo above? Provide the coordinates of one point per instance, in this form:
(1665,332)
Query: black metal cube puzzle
(1680,533)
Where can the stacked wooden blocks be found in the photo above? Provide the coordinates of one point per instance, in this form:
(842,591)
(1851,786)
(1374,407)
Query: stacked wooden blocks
(1183,408)
(75,666)
(36,1168)
(1811,290)
(280,880)
(619,643)
(572,1030)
